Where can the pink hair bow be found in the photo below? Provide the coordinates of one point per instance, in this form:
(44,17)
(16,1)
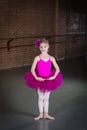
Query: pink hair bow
(37,43)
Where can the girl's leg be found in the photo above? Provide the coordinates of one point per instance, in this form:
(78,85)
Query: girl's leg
(40,104)
(46,101)
(46,106)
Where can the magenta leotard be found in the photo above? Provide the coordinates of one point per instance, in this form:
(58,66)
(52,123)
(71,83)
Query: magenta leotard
(44,70)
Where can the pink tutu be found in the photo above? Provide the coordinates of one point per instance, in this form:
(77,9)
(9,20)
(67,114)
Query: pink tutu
(47,85)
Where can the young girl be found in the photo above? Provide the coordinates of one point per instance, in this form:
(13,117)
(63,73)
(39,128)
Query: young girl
(43,78)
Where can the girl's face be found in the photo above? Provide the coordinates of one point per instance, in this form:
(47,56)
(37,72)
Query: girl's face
(44,47)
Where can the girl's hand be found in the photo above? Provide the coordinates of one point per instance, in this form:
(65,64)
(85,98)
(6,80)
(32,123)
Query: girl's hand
(40,79)
(51,78)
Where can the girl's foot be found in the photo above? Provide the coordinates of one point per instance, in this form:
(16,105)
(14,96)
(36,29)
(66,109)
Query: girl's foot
(38,117)
(47,116)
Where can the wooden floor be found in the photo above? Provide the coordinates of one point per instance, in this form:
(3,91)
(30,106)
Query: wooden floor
(18,103)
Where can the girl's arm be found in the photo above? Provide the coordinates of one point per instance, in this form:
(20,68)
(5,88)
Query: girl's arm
(33,69)
(56,68)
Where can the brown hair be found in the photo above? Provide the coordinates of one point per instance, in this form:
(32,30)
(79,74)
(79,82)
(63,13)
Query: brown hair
(44,40)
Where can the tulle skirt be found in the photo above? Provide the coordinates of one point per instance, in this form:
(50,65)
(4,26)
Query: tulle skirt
(47,85)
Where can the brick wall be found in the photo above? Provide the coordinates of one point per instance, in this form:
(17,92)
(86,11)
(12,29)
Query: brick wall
(24,18)
(72,28)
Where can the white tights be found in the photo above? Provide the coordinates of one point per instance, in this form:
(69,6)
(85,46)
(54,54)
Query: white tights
(43,101)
